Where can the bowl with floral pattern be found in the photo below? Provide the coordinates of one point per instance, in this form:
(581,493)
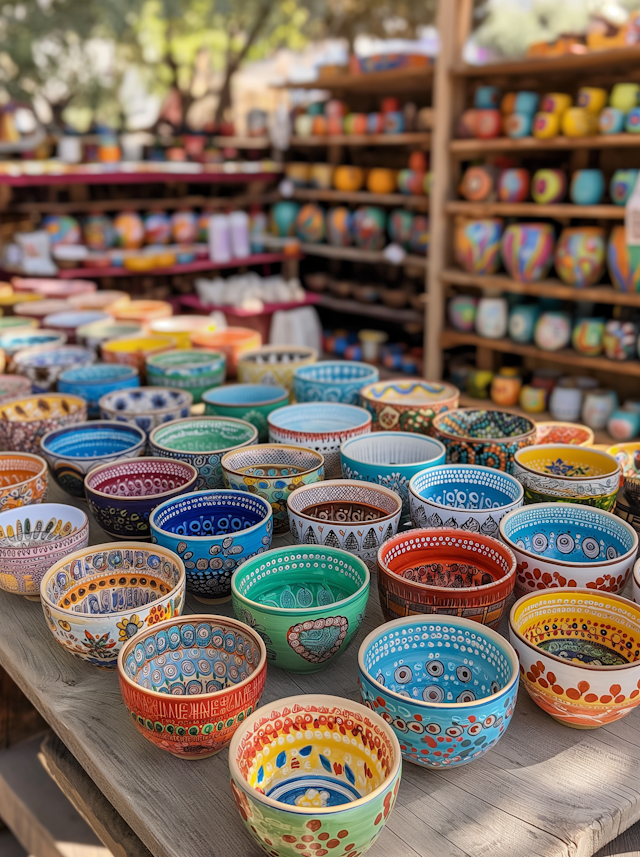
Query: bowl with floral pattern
(44,368)
(558,432)
(25,421)
(446,685)
(487,438)
(333,381)
(274,364)
(407,405)
(250,402)
(24,479)
(194,370)
(93,382)
(146,407)
(96,598)
(628,457)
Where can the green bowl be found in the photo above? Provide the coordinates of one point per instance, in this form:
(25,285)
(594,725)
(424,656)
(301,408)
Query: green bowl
(250,402)
(195,370)
(306,602)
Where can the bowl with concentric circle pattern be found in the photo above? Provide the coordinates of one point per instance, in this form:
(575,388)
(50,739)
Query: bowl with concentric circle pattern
(24,479)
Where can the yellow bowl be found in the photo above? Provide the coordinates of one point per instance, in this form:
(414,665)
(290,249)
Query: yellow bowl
(24,421)
(182,327)
(143,311)
(134,350)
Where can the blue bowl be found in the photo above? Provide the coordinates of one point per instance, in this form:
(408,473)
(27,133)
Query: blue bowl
(44,368)
(213,532)
(93,382)
(446,685)
(146,407)
(333,381)
(250,402)
(73,451)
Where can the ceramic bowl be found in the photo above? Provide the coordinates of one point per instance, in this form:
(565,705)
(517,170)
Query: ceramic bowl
(13,387)
(563,544)
(321,795)
(272,471)
(571,474)
(488,438)
(274,364)
(20,339)
(214,532)
(418,675)
(135,350)
(445,571)
(202,442)
(23,422)
(143,311)
(390,459)
(24,479)
(319,426)
(44,368)
(408,405)
(53,287)
(232,342)
(354,516)
(11,323)
(69,322)
(93,335)
(306,603)
(628,457)
(333,381)
(106,300)
(146,407)
(463,497)
(579,652)
(182,327)
(187,369)
(572,433)
(216,665)
(121,495)
(36,311)
(72,451)
(250,402)
(93,382)
(33,538)
(95,599)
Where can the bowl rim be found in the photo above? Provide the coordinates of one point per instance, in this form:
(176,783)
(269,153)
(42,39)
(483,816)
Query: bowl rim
(204,322)
(570,479)
(132,462)
(558,592)
(304,701)
(442,590)
(130,373)
(79,532)
(187,396)
(78,402)
(173,423)
(161,342)
(365,420)
(299,373)
(26,356)
(43,473)
(397,437)
(235,495)
(278,447)
(303,611)
(356,483)
(60,317)
(440,467)
(449,391)
(243,332)
(214,357)
(537,557)
(555,423)
(438,618)
(116,425)
(38,332)
(309,355)
(467,438)
(279,395)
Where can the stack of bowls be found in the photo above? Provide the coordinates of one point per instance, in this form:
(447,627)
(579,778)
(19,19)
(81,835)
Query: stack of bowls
(44,368)
(24,479)
(195,371)
(407,405)
(23,422)
(94,382)
(250,402)
(332,381)
(488,438)
(274,364)
(146,407)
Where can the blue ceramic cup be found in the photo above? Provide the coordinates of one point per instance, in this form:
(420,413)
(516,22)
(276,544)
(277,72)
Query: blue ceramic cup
(587,187)
(487,98)
(527,102)
(522,322)
(611,121)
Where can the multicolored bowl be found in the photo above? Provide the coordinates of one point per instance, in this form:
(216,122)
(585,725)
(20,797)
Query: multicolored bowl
(24,480)
(23,422)
(182,327)
(448,572)
(272,471)
(44,368)
(95,599)
(447,686)
(407,405)
(306,603)
(232,342)
(69,322)
(13,387)
(135,350)
(333,381)
(214,532)
(579,652)
(274,364)
(122,495)
(628,457)
(250,402)
(187,369)
(217,666)
(93,382)
(146,407)
(93,335)
(20,339)
(332,783)
(574,433)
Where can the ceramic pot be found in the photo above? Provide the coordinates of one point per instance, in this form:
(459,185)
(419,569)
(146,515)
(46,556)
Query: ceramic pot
(611,121)
(587,336)
(274,365)
(348,179)
(134,351)
(479,382)
(587,187)
(486,97)
(578,122)
(622,185)
(624,96)
(146,407)
(624,425)
(548,186)
(369,223)
(527,250)
(407,405)
(339,226)
(522,322)
(518,125)
(332,381)
(478,183)
(93,382)
(24,421)
(533,400)
(283,218)
(461,311)
(565,403)
(553,331)
(193,370)
(514,185)
(250,402)
(477,245)
(546,125)
(580,256)
(619,339)
(598,406)
(505,388)
(24,479)
(44,368)
(563,432)
(492,318)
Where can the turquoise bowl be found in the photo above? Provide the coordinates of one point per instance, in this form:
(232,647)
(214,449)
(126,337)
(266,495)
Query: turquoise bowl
(191,369)
(306,602)
(93,382)
(333,381)
(250,402)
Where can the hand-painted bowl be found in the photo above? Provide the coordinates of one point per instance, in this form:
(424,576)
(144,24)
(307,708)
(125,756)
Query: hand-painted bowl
(202,442)
(24,479)
(20,339)
(333,381)
(319,426)
(272,471)
(95,599)
(182,327)
(573,433)
(446,685)
(214,532)
(390,459)
(250,402)
(579,652)
(569,474)
(407,405)
(106,300)
(628,457)
(33,538)
(44,368)
(333,781)
(232,342)
(93,335)
(217,666)
(448,572)
(274,364)
(93,382)
(143,311)
(146,407)
(11,323)
(72,451)
(341,513)
(527,250)
(13,387)
(23,422)
(463,497)
(69,322)
(306,603)
(135,350)
(488,438)
(187,369)
(122,495)
(562,544)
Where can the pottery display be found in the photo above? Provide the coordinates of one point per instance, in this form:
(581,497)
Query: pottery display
(477,245)
(407,405)
(624,273)
(564,432)
(250,402)
(461,312)
(94,381)
(332,381)
(44,368)
(619,339)
(628,457)
(146,407)
(193,370)
(587,187)
(135,350)
(24,479)
(425,695)
(274,364)
(24,421)
(580,256)
(527,250)
(548,186)
(522,322)
(488,438)
(598,406)
(232,342)
(588,335)
(306,603)
(553,331)
(492,318)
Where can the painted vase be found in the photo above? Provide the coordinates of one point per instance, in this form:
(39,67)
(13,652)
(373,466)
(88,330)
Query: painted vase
(505,387)
(625,96)
(522,322)
(621,185)
(548,186)
(565,403)
(580,255)
(479,383)
(462,311)
(339,220)
(310,223)
(587,187)
(533,400)
(625,275)
(369,223)
(283,218)
(546,125)
(514,185)
(611,121)
(527,250)
(553,331)
(619,339)
(518,125)
(578,122)
(401,226)
(624,425)
(556,102)
(592,98)
(492,318)
(598,406)
(477,183)
(477,245)
(587,336)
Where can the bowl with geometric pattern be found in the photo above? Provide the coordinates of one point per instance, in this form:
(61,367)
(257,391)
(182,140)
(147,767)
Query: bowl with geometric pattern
(407,405)
(333,381)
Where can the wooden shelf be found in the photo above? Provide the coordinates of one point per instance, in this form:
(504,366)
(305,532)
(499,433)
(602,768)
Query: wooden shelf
(355,254)
(193,302)
(161,177)
(628,57)
(187,268)
(414,138)
(393,80)
(472,148)
(151,204)
(385,313)
(533,209)
(242,142)
(361,197)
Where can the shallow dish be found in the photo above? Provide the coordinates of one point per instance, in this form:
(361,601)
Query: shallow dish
(272,471)
(335,785)
(93,382)
(216,665)
(99,597)
(146,407)
(13,387)
(463,496)
(579,652)
(417,673)
(274,364)
(104,299)
(23,422)
(306,603)
(33,538)
(488,438)
(135,350)
(407,405)
(187,369)
(572,433)
(232,342)
(333,381)
(44,368)
(250,402)
(214,532)
(24,479)
(448,572)
(628,457)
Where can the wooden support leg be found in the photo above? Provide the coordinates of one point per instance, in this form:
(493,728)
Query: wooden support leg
(18,718)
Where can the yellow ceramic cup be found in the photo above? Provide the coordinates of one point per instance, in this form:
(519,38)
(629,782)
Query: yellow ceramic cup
(592,98)
(546,125)
(579,122)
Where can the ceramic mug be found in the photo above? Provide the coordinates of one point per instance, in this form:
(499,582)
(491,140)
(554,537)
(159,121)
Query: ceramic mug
(565,403)
(556,102)
(592,98)
(492,318)
(462,311)
(620,339)
(514,185)
(624,96)
(505,388)
(526,102)
(578,122)
(621,185)
(548,186)
(587,336)
(553,331)
(587,187)
(598,406)
(546,125)
(522,322)
(518,125)
(533,400)
(611,121)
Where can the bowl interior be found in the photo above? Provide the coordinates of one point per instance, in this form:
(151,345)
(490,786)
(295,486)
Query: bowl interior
(44,407)
(244,394)
(35,526)
(409,392)
(462,487)
(139,343)
(186,359)
(393,448)
(67,354)
(101,373)
(16,468)
(318,418)
(344,502)
(572,462)
(203,435)
(563,433)
(272,462)
(213,513)
(92,440)
(144,400)
(140,478)
(337,372)
(13,342)
(483,425)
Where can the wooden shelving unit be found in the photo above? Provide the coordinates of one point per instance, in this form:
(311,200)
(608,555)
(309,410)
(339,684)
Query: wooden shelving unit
(476,148)
(567,64)
(412,79)
(150,177)
(361,197)
(355,254)
(420,139)
(400,315)
(559,211)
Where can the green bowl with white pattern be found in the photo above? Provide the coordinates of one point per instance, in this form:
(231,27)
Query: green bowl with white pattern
(250,402)
(193,369)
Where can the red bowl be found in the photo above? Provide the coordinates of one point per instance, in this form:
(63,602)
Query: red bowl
(446,571)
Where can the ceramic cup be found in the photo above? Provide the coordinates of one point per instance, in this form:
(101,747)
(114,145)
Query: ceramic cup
(492,318)
(522,322)
(565,403)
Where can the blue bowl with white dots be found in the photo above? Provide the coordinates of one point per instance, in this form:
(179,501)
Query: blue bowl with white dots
(333,381)
(213,532)
(446,685)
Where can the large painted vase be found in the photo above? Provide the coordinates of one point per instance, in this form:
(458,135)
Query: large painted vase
(580,256)
(283,218)
(477,245)
(624,268)
(527,250)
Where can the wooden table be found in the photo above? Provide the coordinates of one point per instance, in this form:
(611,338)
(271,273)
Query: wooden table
(544,791)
